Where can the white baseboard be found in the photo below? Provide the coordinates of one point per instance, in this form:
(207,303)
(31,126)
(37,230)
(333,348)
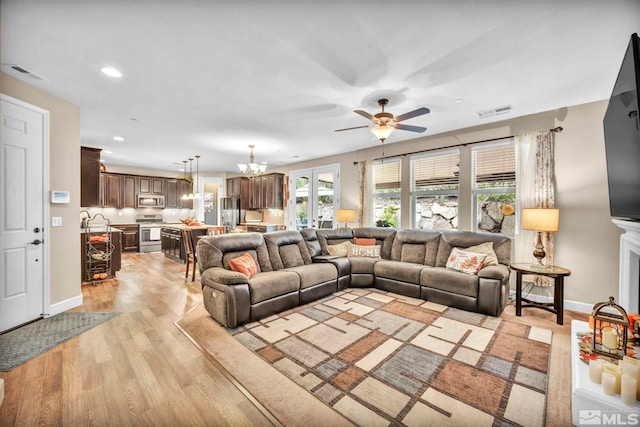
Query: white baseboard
(65,305)
(578,306)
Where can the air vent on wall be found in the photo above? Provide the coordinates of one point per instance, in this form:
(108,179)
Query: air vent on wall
(26,72)
(494,111)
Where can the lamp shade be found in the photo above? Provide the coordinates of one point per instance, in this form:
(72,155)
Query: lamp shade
(540,219)
(345,215)
(382,132)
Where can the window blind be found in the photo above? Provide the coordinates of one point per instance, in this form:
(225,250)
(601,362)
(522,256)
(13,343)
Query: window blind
(387,176)
(494,166)
(436,172)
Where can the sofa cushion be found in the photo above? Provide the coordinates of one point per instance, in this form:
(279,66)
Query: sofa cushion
(363,251)
(397,270)
(244,264)
(341,249)
(264,286)
(361,265)
(328,237)
(416,246)
(450,281)
(216,251)
(287,249)
(311,239)
(465,239)
(465,261)
(314,274)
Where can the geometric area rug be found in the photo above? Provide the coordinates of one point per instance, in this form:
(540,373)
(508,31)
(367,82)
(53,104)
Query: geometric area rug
(26,342)
(380,358)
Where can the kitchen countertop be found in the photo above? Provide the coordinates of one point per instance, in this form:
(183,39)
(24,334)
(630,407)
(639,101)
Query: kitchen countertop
(180,226)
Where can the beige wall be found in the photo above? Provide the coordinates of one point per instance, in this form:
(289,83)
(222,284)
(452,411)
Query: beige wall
(587,242)
(64,167)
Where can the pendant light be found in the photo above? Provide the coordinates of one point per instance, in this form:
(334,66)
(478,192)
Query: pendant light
(196,195)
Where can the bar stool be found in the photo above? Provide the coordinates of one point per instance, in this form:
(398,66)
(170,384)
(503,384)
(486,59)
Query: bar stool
(190,255)
(215,230)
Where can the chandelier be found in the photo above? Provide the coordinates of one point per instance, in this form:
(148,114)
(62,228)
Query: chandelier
(252,169)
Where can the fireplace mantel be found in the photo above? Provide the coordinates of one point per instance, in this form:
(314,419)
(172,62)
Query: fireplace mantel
(629,282)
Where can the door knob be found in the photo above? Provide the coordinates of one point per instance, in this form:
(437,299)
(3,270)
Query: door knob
(37,242)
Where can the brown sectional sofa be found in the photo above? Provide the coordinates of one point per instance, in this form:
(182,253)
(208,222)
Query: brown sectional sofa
(296,268)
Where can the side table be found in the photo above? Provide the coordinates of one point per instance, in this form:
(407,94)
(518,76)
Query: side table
(556,273)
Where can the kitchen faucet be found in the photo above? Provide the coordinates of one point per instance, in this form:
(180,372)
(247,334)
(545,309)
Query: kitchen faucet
(83,224)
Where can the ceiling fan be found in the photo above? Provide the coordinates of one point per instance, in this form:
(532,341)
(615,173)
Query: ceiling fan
(385,123)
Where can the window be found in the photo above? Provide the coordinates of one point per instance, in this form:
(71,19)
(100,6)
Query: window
(494,187)
(386,201)
(435,187)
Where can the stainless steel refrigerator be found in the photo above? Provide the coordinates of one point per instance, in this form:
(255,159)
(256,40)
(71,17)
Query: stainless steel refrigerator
(232,213)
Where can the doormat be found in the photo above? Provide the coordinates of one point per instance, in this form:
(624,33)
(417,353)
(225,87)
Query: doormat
(23,344)
(380,358)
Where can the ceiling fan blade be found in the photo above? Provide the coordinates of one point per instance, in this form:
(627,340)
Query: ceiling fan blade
(357,127)
(364,114)
(410,128)
(410,114)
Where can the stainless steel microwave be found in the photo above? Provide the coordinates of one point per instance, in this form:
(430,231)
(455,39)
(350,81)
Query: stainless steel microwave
(150,201)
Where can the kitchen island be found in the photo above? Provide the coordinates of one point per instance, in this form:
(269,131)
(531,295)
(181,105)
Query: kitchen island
(171,239)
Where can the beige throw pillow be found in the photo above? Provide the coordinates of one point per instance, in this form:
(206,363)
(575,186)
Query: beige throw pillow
(464,261)
(340,249)
(487,249)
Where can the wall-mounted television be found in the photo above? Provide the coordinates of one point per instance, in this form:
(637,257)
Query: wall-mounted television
(622,137)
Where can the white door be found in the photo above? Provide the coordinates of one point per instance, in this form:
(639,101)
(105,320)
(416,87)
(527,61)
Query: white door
(23,135)
(314,197)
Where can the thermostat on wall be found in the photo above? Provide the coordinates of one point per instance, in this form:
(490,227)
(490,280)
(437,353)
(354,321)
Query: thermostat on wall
(60,196)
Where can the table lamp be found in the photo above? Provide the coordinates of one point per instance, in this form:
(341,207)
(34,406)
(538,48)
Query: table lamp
(540,220)
(345,215)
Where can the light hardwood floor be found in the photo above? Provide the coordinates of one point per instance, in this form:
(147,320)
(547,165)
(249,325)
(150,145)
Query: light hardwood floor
(141,369)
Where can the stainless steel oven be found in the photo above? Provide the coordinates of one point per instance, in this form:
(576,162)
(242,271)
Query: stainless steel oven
(149,233)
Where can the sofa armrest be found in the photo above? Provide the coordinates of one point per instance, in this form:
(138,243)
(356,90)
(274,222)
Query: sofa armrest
(499,272)
(223,276)
(324,258)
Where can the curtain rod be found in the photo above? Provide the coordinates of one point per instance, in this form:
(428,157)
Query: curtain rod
(557,129)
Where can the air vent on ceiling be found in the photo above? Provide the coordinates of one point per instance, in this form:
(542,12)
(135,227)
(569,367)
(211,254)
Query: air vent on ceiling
(494,111)
(24,71)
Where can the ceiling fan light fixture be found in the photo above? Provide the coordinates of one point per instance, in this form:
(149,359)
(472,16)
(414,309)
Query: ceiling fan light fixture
(382,132)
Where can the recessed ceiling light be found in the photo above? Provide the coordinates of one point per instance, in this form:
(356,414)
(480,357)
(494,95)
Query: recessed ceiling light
(118,138)
(107,152)
(459,100)
(111,72)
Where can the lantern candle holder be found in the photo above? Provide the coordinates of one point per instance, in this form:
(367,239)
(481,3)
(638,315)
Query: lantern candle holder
(610,329)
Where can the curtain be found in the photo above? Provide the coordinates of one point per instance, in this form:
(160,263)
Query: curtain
(365,185)
(535,187)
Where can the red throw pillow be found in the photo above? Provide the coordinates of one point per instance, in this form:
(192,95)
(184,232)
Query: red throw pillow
(361,241)
(244,264)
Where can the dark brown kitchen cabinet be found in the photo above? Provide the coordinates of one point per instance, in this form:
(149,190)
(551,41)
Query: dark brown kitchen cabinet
(272,191)
(171,193)
(267,192)
(151,185)
(111,190)
(240,187)
(129,199)
(89,176)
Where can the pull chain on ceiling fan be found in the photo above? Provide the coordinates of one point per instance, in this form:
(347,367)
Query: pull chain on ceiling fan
(385,123)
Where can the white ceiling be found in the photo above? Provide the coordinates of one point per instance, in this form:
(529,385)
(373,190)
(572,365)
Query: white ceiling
(211,77)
